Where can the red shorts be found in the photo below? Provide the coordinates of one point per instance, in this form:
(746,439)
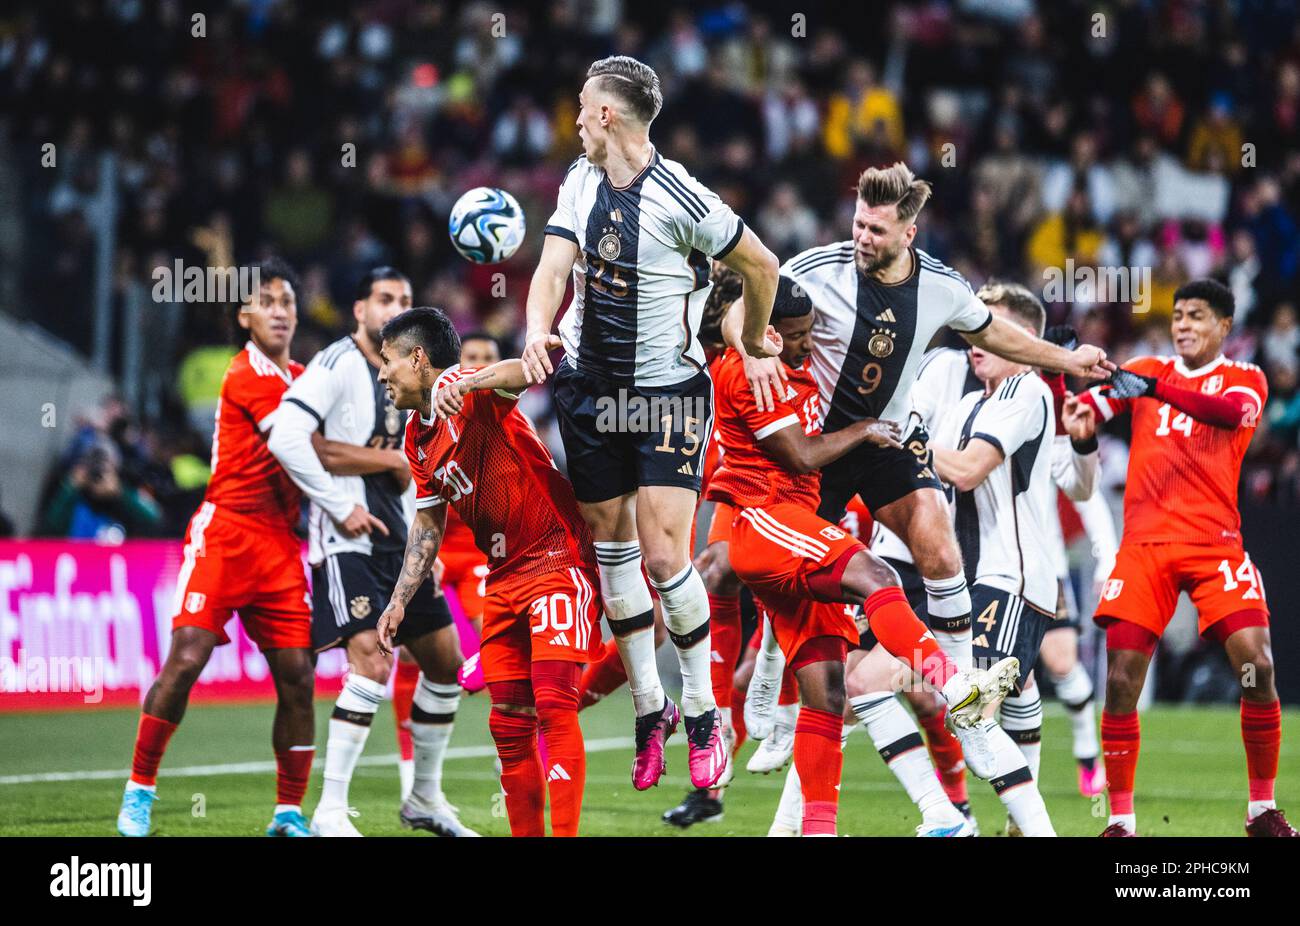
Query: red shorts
(234,563)
(774,551)
(551,616)
(466,573)
(1144,585)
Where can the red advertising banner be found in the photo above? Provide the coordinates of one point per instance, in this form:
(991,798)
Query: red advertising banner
(85,625)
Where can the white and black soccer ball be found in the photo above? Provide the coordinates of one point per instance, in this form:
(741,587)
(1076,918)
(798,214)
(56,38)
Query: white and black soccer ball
(486,225)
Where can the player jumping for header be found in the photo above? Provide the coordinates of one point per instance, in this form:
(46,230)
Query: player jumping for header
(636,232)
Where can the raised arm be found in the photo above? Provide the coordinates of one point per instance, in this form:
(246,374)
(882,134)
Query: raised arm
(544,296)
(764,374)
(422,544)
(1237,407)
(1012,342)
(507,376)
(758,268)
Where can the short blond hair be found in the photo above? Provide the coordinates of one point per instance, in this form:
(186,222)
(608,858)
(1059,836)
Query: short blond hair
(895,185)
(1019,300)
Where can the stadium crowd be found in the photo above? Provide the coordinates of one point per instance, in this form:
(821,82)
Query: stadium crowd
(1058,136)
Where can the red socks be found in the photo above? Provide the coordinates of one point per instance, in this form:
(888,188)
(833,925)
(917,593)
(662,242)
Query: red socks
(292,771)
(150,743)
(515,736)
(724,635)
(1261,733)
(903,635)
(601,677)
(1121,739)
(406,678)
(555,686)
(947,755)
(819,759)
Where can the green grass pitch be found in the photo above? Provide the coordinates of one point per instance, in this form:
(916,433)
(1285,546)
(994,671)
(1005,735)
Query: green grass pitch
(217,780)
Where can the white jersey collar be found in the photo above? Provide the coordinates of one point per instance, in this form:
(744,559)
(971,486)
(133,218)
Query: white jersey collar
(1181,367)
(256,351)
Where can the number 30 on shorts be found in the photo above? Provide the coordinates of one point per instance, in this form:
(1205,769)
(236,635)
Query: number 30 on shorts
(1246,574)
(552,612)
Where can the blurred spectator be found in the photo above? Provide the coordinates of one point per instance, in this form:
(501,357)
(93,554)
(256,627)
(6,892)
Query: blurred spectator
(790,117)
(1281,341)
(1216,141)
(858,110)
(298,213)
(786,223)
(522,134)
(1157,110)
(1070,234)
(92,503)
(1082,171)
(1283,410)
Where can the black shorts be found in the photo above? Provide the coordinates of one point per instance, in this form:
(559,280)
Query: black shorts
(619,438)
(879,474)
(913,588)
(1004,624)
(350,590)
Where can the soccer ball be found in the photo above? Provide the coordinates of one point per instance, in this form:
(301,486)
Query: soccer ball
(487,225)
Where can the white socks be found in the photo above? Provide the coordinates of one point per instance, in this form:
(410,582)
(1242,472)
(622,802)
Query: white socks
(1016,788)
(432,718)
(630,613)
(1022,718)
(948,606)
(354,711)
(686,615)
(897,739)
(1075,691)
(789,811)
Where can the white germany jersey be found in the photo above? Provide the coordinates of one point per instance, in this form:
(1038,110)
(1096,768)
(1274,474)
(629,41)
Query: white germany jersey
(1003,523)
(868,337)
(944,378)
(339,394)
(642,272)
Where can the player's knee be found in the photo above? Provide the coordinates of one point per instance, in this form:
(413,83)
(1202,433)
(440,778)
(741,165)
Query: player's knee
(867,574)
(1123,682)
(184,667)
(296,678)
(663,562)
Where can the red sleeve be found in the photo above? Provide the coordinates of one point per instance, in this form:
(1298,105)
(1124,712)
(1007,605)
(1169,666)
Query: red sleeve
(426,495)
(1238,406)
